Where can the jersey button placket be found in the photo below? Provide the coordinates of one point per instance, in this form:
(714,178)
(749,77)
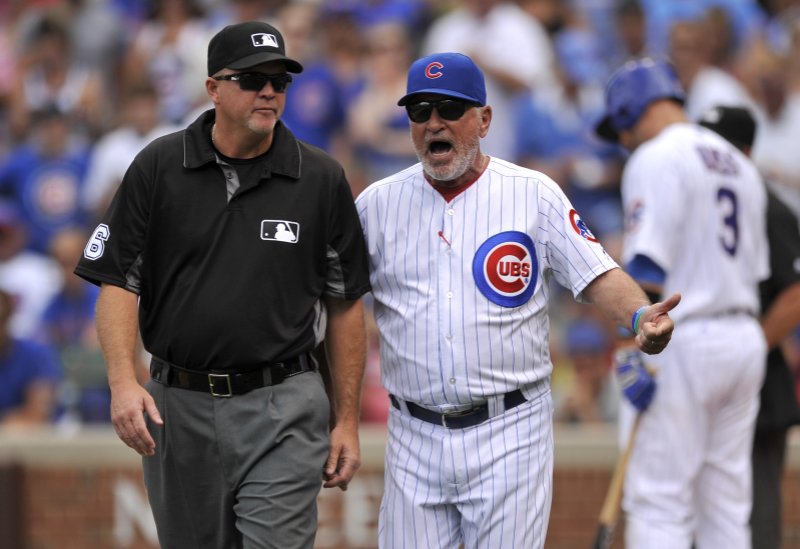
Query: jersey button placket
(447,274)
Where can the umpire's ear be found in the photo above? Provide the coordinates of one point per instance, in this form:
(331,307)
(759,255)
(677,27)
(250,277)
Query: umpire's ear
(212,90)
(485,120)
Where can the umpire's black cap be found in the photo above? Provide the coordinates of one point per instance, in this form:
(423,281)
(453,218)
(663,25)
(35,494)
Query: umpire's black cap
(736,124)
(244,45)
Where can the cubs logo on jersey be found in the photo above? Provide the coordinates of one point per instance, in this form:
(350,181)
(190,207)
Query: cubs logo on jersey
(581,227)
(505,268)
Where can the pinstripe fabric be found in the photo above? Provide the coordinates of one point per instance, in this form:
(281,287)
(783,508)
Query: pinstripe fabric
(459,326)
(487,486)
(443,343)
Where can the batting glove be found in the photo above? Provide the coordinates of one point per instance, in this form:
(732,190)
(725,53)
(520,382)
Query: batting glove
(638,385)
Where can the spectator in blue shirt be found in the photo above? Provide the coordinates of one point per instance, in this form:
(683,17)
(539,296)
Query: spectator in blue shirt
(31,374)
(44,178)
(69,325)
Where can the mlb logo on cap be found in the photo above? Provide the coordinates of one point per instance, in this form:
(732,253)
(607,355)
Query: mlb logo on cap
(264,39)
(450,74)
(244,45)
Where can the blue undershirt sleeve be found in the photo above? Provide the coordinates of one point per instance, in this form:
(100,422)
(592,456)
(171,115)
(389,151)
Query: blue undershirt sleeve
(645,271)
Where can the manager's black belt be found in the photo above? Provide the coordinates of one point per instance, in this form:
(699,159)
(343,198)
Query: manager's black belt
(226,384)
(459,420)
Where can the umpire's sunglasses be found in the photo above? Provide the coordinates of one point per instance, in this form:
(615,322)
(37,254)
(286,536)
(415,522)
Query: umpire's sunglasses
(255,81)
(448,109)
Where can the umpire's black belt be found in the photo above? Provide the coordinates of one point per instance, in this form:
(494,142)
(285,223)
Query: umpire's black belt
(462,419)
(227,384)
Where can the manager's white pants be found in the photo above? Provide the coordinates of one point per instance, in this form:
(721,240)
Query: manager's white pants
(486,486)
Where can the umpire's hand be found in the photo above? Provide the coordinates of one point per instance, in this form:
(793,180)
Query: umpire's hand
(656,327)
(344,458)
(129,403)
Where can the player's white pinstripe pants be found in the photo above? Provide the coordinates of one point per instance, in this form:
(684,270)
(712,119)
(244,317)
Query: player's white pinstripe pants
(487,486)
(689,478)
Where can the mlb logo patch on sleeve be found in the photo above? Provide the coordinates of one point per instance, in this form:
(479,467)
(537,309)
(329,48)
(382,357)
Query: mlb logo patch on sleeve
(280,230)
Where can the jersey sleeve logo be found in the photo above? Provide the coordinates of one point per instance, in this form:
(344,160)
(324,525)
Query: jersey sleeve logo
(97,243)
(505,268)
(633,215)
(581,227)
(280,230)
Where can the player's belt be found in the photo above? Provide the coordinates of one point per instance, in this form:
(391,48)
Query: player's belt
(462,419)
(227,384)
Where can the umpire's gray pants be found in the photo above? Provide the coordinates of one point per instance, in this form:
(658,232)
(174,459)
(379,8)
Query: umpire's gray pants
(241,472)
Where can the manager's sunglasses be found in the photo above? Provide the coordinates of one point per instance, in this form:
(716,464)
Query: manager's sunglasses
(448,109)
(255,81)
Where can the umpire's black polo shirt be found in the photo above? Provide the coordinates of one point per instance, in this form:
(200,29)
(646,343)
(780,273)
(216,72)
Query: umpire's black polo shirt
(229,284)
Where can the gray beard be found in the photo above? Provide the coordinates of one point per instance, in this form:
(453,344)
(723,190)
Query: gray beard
(455,169)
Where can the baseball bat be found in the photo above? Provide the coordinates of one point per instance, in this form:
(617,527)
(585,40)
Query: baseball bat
(609,513)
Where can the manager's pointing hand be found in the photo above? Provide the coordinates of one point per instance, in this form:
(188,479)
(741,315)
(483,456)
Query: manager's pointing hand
(656,326)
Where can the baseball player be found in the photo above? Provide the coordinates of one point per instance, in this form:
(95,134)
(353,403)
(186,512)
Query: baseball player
(462,249)
(695,222)
(780,305)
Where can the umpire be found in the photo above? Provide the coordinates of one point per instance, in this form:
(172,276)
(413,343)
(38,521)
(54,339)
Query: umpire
(241,248)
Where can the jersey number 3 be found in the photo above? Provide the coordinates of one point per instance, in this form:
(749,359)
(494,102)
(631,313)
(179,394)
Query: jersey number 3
(729,237)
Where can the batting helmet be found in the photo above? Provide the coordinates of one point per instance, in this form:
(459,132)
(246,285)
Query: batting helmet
(631,89)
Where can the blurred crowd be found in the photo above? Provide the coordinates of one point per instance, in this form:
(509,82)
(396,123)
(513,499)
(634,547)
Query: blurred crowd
(85,84)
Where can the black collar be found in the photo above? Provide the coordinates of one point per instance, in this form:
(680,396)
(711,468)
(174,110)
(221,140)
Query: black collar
(283,156)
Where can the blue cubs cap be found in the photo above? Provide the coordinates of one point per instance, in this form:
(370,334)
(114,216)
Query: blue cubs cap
(450,74)
(631,89)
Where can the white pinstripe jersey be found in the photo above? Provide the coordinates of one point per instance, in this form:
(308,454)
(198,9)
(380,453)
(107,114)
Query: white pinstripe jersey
(697,207)
(461,288)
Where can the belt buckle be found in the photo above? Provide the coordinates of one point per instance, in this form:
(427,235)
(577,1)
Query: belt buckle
(454,415)
(211,384)
(280,372)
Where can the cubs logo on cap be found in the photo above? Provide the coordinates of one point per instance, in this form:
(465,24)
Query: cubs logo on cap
(505,268)
(448,74)
(434,69)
